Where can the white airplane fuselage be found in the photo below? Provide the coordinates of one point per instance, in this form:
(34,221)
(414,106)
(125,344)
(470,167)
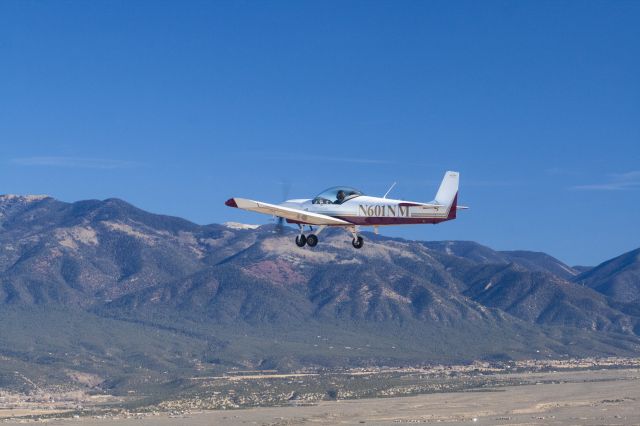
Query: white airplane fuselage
(365,210)
(349,208)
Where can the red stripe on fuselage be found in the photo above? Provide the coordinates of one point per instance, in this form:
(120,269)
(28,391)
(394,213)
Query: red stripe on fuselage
(454,208)
(371,221)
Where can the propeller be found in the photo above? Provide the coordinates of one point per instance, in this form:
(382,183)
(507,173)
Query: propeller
(285,187)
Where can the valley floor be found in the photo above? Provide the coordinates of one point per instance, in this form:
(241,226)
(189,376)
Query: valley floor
(601,397)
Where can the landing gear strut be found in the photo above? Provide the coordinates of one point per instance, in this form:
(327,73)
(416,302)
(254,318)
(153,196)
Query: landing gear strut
(357,241)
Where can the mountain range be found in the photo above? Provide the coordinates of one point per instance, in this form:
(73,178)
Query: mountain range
(132,300)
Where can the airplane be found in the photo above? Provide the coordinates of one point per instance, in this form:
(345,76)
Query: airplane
(342,206)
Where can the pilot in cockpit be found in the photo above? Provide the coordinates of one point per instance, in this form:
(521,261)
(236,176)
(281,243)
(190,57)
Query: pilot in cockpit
(340,196)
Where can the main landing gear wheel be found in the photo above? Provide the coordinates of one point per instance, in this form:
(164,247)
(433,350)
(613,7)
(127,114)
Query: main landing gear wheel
(301,240)
(312,240)
(358,242)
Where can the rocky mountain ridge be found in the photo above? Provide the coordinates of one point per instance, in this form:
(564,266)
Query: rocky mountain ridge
(228,292)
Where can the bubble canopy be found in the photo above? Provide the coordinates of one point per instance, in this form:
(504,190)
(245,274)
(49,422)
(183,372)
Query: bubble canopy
(336,195)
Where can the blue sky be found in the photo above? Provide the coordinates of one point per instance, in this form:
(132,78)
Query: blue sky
(176,106)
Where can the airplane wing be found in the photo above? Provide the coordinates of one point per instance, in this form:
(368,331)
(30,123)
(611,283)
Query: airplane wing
(285,212)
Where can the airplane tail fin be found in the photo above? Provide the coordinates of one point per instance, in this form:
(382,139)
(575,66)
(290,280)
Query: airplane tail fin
(448,192)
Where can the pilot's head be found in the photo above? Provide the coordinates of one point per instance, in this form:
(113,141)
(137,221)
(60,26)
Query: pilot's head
(340,195)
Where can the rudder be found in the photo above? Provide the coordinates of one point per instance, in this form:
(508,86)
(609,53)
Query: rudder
(448,191)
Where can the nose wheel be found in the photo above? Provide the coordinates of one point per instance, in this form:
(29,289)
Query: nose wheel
(310,240)
(301,240)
